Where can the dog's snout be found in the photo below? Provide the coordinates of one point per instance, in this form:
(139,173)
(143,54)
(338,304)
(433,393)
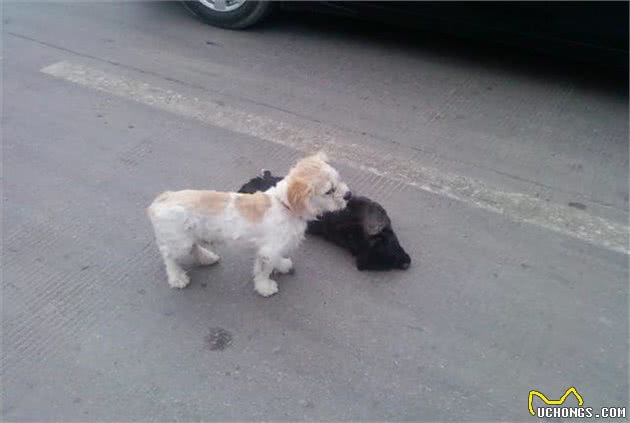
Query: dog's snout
(347,196)
(405,262)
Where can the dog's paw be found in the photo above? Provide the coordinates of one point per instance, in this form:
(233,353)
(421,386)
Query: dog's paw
(266,287)
(285,265)
(181,281)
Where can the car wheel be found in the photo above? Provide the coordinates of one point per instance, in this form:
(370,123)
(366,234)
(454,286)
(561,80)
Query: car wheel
(232,14)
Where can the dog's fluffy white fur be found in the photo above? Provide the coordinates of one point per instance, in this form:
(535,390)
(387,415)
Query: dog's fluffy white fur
(188,223)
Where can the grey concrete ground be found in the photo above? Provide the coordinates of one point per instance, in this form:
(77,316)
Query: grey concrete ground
(506,177)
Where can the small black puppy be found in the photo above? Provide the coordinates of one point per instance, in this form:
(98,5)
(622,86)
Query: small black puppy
(363,227)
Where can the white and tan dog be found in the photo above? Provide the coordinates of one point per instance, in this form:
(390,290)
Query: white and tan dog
(187,223)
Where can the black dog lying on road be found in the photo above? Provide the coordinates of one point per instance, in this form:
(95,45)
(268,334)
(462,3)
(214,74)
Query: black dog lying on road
(363,227)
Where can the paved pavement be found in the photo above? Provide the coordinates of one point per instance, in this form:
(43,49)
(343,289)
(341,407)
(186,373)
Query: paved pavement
(505,175)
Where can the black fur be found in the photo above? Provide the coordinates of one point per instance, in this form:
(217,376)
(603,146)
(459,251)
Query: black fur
(260,183)
(363,227)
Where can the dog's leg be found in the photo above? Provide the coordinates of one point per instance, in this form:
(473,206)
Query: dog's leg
(262,269)
(203,256)
(177,277)
(284,265)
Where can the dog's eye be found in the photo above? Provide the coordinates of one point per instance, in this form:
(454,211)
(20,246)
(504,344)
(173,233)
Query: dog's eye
(330,191)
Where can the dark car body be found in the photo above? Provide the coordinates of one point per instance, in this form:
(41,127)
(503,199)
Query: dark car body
(587,31)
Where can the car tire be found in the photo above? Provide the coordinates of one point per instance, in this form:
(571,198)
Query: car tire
(244,15)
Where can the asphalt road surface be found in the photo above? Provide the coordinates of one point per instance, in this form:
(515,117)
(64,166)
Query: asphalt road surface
(505,176)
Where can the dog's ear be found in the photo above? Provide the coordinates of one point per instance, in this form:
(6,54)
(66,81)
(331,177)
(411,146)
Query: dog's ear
(373,224)
(373,218)
(298,192)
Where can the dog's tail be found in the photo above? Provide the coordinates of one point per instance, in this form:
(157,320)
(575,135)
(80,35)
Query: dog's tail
(155,204)
(162,197)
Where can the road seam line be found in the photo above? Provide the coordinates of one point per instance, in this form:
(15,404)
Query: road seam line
(309,137)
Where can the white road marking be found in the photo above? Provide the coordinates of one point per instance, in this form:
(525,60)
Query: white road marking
(310,137)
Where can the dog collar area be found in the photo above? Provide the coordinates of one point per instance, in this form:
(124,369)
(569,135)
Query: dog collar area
(286,206)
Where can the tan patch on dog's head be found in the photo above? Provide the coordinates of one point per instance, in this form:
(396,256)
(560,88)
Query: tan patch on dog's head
(253,206)
(309,168)
(297,194)
(204,202)
(314,187)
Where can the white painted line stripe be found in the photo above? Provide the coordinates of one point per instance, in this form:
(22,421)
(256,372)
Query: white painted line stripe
(310,137)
